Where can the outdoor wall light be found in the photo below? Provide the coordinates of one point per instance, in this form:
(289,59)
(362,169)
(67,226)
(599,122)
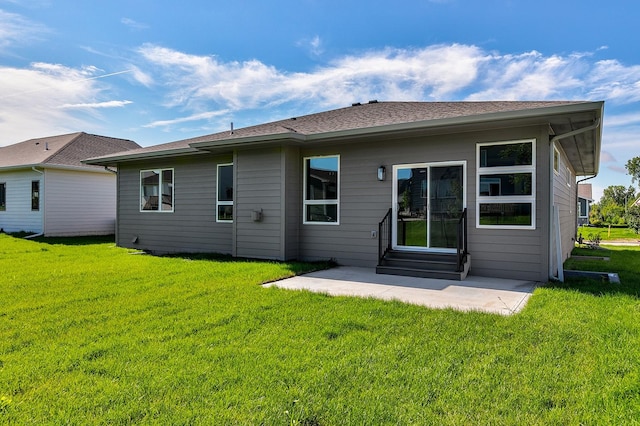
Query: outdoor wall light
(382,171)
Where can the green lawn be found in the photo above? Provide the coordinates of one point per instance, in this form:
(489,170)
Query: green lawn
(93,334)
(609,234)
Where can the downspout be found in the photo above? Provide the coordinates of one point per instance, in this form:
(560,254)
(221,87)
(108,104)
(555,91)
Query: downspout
(42,204)
(552,143)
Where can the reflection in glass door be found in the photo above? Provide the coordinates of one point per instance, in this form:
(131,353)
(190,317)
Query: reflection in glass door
(411,214)
(428,201)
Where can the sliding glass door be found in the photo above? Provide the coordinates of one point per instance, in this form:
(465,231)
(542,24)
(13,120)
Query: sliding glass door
(427,202)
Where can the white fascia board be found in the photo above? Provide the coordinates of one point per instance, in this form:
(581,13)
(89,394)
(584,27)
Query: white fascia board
(251,141)
(114,160)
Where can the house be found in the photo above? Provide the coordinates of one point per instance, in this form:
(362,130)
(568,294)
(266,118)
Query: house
(585,198)
(407,187)
(45,189)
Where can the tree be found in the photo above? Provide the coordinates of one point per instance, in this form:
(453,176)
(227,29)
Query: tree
(633,169)
(618,195)
(633,218)
(612,213)
(595,216)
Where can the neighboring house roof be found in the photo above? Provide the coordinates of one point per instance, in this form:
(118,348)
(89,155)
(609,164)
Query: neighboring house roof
(585,191)
(383,118)
(66,151)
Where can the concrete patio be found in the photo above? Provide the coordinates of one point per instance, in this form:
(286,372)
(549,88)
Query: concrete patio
(493,295)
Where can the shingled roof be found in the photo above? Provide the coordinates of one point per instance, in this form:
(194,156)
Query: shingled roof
(62,150)
(365,119)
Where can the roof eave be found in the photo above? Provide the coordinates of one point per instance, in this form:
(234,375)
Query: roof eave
(442,123)
(480,119)
(114,160)
(51,167)
(250,141)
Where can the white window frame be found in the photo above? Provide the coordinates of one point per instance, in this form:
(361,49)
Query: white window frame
(222,202)
(173,190)
(3,186)
(556,160)
(306,202)
(507,199)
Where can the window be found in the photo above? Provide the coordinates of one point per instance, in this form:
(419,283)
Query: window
(156,190)
(556,160)
(3,196)
(224,198)
(506,185)
(35,195)
(321,190)
(583,205)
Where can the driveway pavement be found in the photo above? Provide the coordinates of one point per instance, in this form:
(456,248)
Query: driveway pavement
(492,295)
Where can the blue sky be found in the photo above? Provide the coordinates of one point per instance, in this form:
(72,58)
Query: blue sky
(159,71)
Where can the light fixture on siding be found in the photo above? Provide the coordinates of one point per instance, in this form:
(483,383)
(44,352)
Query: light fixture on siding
(382,172)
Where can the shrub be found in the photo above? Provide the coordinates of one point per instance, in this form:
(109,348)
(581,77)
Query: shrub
(633,218)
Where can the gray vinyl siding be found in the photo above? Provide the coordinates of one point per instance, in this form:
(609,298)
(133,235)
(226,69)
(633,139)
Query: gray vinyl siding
(79,203)
(18,215)
(565,199)
(192,226)
(258,187)
(364,201)
(292,202)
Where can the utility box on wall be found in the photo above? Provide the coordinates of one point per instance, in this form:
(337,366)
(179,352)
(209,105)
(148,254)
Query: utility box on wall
(256,215)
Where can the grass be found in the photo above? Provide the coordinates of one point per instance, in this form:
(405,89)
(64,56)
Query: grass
(91,334)
(615,233)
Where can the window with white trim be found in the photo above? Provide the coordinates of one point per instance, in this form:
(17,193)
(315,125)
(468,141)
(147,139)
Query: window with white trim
(3,196)
(224,197)
(35,195)
(556,160)
(506,185)
(156,190)
(321,201)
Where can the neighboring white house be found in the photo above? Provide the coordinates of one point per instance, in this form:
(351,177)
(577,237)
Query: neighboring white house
(585,198)
(45,189)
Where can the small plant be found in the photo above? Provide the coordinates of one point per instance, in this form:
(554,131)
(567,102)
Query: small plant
(594,240)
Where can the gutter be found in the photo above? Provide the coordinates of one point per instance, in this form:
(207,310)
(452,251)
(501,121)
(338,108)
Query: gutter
(552,142)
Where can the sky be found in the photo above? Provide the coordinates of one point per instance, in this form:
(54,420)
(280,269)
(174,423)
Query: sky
(159,71)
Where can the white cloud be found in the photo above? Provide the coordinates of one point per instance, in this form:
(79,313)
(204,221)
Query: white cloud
(528,76)
(15,29)
(141,77)
(195,117)
(606,157)
(313,45)
(434,72)
(439,72)
(31,100)
(135,25)
(622,119)
(93,105)
(612,80)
